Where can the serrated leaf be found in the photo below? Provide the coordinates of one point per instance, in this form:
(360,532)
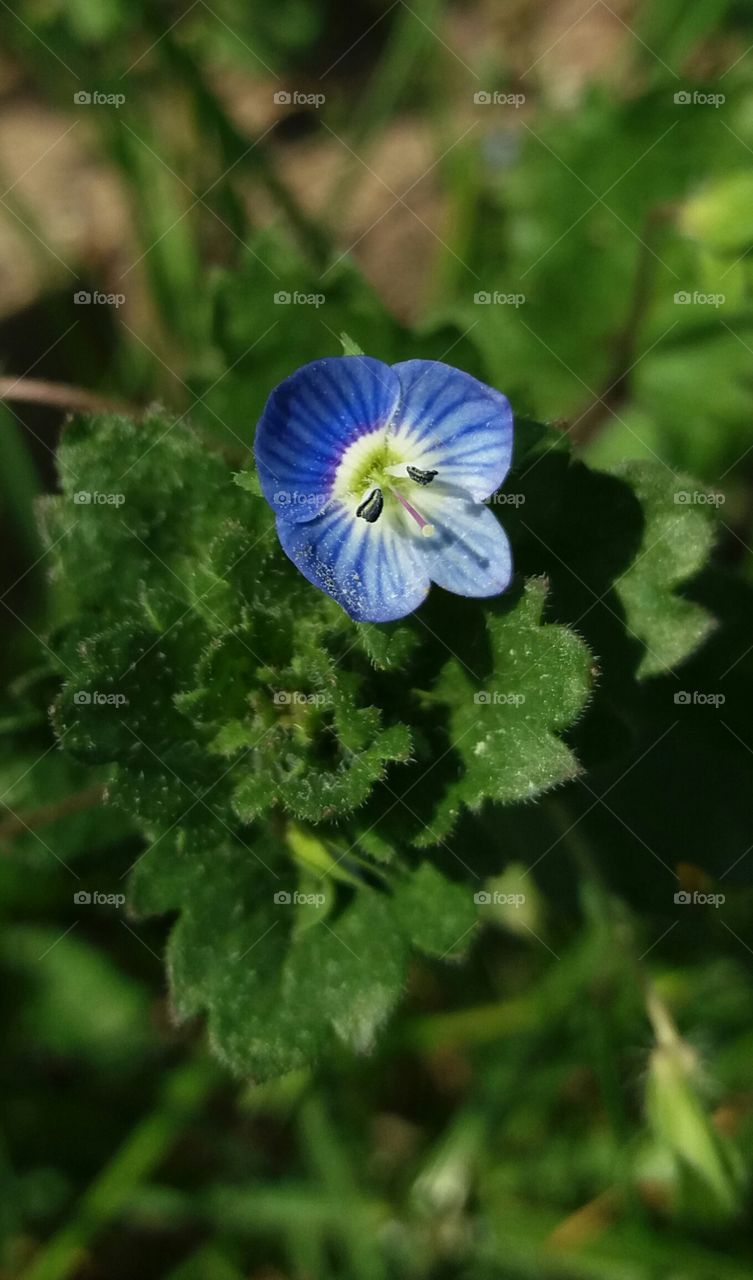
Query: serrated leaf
(387,645)
(135,496)
(678,535)
(311,793)
(506,733)
(352,970)
(222,692)
(276,995)
(615,545)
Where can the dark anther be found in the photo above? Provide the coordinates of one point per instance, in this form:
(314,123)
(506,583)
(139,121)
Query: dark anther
(420,477)
(371,508)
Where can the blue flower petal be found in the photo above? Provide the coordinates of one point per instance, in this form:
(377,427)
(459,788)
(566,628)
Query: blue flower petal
(420,414)
(374,571)
(469,552)
(309,421)
(455,425)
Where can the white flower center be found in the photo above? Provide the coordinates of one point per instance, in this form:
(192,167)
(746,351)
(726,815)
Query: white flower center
(365,478)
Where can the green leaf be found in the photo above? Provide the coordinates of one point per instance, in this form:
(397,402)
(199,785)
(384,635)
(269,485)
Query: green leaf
(615,546)
(437,914)
(276,995)
(134,511)
(287,770)
(677,538)
(388,645)
(506,731)
(220,694)
(351,971)
(312,793)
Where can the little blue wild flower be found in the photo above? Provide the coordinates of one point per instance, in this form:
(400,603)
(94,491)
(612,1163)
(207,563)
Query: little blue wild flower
(378,474)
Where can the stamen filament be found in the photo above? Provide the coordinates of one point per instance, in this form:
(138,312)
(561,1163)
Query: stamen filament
(426,529)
